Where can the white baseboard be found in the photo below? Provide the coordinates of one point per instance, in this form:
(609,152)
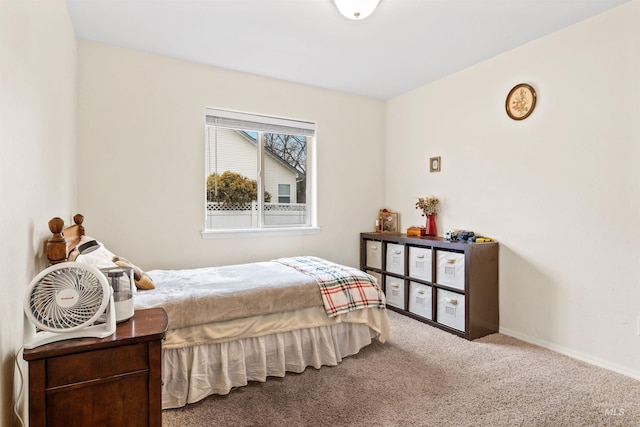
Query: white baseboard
(572,353)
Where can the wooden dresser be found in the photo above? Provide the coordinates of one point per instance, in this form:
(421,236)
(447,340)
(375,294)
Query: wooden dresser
(114,381)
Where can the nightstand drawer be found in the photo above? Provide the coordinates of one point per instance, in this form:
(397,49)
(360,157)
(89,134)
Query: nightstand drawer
(420,263)
(420,299)
(394,291)
(89,365)
(395,258)
(450,269)
(374,254)
(450,309)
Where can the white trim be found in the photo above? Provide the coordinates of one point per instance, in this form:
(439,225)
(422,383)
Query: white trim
(259,118)
(572,353)
(259,232)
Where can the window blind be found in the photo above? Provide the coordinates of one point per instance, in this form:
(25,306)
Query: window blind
(246,121)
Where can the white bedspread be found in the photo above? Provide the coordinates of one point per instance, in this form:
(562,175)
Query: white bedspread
(204,295)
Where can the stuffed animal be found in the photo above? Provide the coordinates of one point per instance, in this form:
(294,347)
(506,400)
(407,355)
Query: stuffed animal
(143,281)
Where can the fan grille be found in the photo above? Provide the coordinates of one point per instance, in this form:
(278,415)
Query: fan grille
(45,306)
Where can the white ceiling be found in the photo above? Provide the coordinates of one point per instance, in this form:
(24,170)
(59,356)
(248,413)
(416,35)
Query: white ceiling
(403,45)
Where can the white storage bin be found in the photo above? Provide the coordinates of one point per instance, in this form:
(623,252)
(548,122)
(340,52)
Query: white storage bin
(395,258)
(450,309)
(420,299)
(394,291)
(450,269)
(420,263)
(374,254)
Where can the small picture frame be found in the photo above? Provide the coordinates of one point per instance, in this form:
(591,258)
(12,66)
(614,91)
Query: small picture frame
(434,164)
(389,222)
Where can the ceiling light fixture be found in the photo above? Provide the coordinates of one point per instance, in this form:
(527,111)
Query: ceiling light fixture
(356,9)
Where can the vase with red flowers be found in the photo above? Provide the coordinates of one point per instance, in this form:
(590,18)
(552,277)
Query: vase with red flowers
(429,207)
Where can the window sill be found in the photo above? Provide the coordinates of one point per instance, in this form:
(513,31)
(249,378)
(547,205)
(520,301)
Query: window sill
(259,232)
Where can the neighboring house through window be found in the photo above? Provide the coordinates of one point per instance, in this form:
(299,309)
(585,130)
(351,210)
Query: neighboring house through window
(257,172)
(284,193)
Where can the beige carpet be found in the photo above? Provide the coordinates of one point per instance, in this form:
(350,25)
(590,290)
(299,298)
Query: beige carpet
(425,377)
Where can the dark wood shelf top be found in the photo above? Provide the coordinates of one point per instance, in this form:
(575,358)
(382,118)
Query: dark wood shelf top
(423,240)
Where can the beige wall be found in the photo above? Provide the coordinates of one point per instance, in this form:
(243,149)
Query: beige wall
(559,190)
(141,158)
(37,156)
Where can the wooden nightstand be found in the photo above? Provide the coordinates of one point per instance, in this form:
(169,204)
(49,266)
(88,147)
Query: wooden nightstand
(114,381)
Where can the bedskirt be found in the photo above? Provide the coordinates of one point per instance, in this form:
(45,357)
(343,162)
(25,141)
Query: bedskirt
(192,372)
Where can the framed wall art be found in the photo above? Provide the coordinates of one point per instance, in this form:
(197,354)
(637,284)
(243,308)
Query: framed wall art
(434,164)
(521,101)
(389,222)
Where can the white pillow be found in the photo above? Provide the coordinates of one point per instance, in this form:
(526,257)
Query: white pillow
(99,258)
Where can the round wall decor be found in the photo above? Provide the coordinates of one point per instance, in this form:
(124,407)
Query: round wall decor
(521,101)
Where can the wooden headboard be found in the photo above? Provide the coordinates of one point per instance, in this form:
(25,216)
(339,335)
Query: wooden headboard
(64,239)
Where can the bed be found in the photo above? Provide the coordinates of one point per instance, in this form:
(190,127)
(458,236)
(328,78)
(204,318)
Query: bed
(229,325)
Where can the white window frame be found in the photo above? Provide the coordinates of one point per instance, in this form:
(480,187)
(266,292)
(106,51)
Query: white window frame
(249,121)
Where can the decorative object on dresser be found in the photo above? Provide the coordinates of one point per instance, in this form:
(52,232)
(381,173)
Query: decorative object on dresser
(429,207)
(466,236)
(389,221)
(452,285)
(114,381)
(416,231)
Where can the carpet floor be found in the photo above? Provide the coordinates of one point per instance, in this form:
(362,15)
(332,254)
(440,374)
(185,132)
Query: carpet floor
(426,377)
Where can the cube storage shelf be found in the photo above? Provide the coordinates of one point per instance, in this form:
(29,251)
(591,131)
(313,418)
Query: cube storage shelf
(448,284)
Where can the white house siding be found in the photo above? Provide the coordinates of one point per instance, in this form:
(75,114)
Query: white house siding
(237,154)
(275,174)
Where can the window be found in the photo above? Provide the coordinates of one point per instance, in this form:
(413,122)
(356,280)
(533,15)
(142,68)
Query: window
(284,193)
(257,172)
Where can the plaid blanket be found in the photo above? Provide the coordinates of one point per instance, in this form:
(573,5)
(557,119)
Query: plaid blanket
(343,288)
